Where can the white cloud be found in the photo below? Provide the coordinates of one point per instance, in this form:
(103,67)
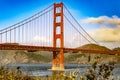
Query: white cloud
(114,20)
(41,40)
(105,33)
(100,19)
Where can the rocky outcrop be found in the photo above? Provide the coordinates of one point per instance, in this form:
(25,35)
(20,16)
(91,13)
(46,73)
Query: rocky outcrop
(19,56)
(11,56)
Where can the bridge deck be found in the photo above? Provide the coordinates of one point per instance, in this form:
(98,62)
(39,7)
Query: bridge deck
(45,48)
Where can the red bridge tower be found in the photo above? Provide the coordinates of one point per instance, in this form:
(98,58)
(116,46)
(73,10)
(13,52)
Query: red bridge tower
(58,57)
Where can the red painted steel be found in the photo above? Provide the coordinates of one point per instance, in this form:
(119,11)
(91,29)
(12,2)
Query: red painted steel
(15,46)
(58,57)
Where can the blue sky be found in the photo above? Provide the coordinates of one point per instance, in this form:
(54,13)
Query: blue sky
(12,11)
(96,16)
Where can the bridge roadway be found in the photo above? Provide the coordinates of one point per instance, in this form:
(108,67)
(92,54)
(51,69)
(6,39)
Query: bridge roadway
(45,48)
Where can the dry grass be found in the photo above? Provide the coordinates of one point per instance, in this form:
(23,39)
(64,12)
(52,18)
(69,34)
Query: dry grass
(13,74)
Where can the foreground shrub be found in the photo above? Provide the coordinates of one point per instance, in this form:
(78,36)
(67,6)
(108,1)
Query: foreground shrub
(95,72)
(14,74)
(100,71)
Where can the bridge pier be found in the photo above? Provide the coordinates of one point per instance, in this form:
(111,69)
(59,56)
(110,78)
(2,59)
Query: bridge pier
(58,61)
(62,59)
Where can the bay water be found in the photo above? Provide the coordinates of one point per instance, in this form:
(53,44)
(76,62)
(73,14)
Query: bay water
(43,69)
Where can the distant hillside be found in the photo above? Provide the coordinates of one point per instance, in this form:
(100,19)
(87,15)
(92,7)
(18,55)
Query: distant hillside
(21,56)
(104,57)
(94,47)
(116,49)
(83,57)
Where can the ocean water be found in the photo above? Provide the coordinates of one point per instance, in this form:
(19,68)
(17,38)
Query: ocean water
(42,69)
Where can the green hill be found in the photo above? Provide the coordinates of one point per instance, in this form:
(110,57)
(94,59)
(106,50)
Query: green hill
(83,57)
(94,47)
(116,49)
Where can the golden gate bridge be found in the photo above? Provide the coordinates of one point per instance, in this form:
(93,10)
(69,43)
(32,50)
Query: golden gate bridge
(52,29)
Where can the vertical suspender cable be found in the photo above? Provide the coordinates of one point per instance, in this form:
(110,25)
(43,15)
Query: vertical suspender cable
(46,29)
(19,34)
(26,33)
(6,36)
(79,24)
(76,28)
(49,27)
(35,25)
(10,35)
(14,35)
(22,34)
(40,22)
(0,37)
(33,31)
(30,32)
(38,28)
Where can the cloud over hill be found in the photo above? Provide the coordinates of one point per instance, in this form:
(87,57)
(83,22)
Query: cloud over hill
(108,28)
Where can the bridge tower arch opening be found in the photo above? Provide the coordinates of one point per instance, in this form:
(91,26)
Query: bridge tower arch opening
(58,57)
